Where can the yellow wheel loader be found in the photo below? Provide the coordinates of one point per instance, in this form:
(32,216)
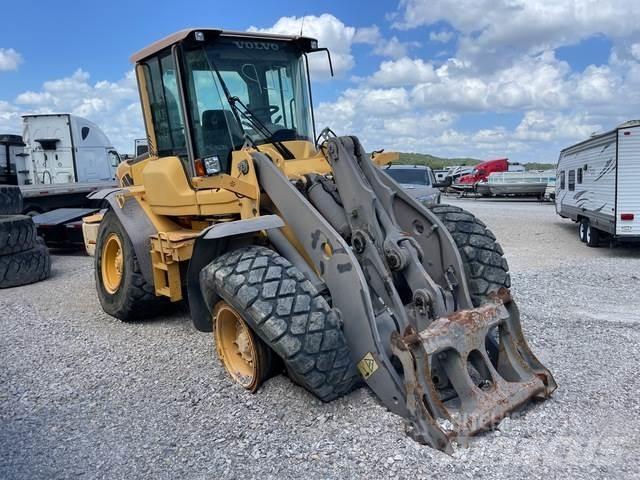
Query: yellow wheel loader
(299,252)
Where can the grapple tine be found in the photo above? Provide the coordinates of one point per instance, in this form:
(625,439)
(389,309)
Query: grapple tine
(458,341)
(423,403)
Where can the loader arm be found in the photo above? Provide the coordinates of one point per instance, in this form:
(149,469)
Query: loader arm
(411,315)
(339,268)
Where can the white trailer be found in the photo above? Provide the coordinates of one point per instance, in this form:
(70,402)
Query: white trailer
(598,185)
(62,158)
(59,160)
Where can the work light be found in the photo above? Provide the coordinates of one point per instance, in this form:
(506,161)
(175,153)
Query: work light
(212,165)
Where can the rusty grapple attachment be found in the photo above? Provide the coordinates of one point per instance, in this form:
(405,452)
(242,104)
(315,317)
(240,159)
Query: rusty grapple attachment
(396,275)
(481,394)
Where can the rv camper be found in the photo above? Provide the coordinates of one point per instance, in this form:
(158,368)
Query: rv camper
(598,185)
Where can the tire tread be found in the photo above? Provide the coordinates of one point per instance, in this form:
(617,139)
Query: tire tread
(485,267)
(22,268)
(10,200)
(17,234)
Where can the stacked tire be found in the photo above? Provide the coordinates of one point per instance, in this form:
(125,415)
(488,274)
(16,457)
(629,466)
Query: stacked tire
(24,258)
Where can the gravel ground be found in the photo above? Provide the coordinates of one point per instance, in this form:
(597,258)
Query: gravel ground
(83,395)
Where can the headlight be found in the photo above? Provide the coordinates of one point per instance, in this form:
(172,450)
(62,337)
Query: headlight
(433,197)
(212,165)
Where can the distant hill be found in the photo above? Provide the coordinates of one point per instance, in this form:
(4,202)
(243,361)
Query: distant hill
(539,166)
(434,162)
(438,163)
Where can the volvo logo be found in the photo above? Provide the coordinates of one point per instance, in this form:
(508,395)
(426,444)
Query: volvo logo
(257,45)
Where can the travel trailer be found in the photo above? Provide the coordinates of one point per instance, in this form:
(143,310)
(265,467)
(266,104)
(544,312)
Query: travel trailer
(598,185)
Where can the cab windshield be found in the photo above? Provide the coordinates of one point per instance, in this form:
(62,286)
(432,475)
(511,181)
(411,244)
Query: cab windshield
(268,77)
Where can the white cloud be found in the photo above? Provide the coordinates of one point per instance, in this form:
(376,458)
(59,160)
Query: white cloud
(113,106)
(393,47)
(331,33)
(9,118)
(596,85)
(419,125)
(339,38)
(9,59)
(404,71)
(529,21)
(443,36)
(557,105)
(546,127)
(370,35)
(497,31)
(532,82)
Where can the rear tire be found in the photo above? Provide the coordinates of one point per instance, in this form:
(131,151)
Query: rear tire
(22,268)
(486,270)
(17,233)
(593,236)
(287,312)
(132,298)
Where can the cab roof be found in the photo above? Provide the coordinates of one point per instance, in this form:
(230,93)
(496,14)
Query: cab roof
(306,43)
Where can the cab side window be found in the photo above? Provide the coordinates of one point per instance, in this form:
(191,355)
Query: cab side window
(168,123)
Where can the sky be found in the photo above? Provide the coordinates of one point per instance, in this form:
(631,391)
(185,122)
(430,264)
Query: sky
(478,78)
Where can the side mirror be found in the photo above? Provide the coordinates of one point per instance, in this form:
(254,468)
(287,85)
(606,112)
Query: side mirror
(114,158)
(316,49)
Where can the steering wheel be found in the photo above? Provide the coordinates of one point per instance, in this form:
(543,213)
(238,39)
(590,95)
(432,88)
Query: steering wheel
(270,109)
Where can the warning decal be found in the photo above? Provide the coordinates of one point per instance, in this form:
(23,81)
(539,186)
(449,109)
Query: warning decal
(367,366)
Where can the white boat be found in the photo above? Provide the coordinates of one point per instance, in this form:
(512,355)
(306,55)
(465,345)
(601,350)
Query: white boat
(520,183)
(550,192)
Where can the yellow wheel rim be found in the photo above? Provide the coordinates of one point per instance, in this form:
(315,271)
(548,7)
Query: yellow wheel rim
(112,263)
(236,346)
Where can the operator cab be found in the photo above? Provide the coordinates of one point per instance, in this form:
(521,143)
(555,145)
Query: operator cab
(208,92)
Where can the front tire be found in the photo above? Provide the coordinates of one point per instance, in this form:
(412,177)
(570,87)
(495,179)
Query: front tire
(122,290)
(290,316)
(582,230)
(485,267)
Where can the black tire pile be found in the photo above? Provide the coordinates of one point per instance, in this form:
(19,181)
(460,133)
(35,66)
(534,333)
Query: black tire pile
(24,258)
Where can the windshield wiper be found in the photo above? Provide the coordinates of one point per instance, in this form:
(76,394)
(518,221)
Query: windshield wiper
(260,127)
(251,117)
